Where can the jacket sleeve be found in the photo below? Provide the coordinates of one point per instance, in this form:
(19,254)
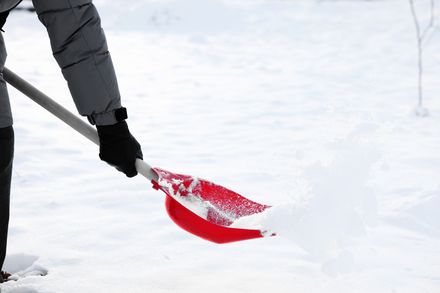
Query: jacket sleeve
(80,48)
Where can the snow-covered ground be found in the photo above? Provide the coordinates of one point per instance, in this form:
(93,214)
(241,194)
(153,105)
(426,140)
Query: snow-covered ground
(303,105)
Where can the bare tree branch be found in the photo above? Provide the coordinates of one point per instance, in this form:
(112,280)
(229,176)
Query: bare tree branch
(421,37)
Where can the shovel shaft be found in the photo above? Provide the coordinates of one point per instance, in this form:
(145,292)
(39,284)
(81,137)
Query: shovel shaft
(65,115)
(50,105)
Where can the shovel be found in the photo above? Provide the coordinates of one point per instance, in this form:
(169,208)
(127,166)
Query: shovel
(198,206)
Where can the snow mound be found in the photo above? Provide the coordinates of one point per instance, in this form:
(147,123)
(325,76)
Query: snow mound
(22,267)
(19,262)
(427,210)
(339,207)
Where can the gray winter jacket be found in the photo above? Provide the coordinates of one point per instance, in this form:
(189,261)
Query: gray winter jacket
(5,5)
(80,48)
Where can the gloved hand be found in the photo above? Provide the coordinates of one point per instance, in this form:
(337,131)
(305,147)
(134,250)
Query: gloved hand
(119,148)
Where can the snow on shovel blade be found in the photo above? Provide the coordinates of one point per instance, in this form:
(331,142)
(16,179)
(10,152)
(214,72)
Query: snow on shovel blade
(206,209)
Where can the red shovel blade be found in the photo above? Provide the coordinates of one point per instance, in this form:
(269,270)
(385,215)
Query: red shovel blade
(206,209)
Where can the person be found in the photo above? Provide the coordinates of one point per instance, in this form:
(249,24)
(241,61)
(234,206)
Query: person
(79,46)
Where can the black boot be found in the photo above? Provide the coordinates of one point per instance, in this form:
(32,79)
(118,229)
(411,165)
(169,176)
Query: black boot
(4,276)
(6,157)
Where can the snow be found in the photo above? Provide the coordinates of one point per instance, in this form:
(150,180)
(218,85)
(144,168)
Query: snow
(189,200)
(308,106)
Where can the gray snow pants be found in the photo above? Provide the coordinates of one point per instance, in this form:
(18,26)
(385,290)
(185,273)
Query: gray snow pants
(6,156)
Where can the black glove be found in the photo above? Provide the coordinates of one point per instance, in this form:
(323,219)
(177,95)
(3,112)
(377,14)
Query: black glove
(119,148)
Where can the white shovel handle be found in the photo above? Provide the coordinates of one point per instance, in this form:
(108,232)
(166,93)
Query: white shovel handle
(65,115)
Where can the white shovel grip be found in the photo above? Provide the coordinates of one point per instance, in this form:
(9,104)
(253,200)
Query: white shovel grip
(145,170)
